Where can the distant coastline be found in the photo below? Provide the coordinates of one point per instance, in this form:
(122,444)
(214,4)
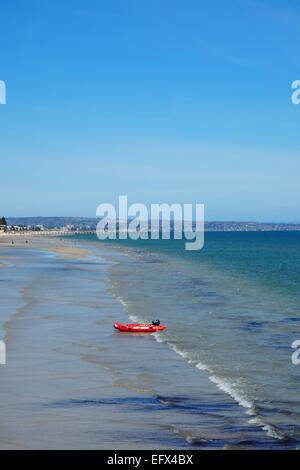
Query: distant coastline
(68,225)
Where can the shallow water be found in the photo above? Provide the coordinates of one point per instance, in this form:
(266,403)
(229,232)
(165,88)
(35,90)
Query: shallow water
(232,312)
(220,376)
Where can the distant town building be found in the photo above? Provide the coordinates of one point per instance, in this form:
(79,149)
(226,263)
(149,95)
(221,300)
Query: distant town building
(3,225)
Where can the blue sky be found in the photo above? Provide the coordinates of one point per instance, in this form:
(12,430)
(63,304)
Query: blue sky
(165,101)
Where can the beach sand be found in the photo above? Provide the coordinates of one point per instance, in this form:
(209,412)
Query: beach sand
(67,249)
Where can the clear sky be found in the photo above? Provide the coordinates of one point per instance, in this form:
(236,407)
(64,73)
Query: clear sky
(162,100)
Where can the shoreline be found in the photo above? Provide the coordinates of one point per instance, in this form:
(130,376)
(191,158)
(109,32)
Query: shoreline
(46,243)
(80,372)
(86,351)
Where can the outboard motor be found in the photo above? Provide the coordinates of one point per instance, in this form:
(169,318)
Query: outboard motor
(156,323)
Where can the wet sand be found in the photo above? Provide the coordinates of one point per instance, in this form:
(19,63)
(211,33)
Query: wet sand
(67,249)
(71,381)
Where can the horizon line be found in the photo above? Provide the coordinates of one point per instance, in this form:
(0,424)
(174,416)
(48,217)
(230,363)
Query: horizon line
(235,221)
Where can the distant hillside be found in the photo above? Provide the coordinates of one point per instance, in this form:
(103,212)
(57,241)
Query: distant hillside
(91,222)
(51,222)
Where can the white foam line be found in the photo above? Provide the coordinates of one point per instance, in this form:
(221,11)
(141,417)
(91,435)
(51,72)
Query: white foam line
(270,430)
(123,302)
(178,351)
(134,318)
(158,337)
(230,389)
(202,366)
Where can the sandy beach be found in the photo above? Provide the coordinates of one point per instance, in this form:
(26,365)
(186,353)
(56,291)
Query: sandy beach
(54,245)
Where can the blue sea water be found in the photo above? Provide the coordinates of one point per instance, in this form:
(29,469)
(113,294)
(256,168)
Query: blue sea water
(232,311)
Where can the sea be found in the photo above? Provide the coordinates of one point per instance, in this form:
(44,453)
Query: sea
(232,312)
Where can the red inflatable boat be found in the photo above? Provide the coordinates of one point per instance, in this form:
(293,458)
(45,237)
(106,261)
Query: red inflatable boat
(139,327)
